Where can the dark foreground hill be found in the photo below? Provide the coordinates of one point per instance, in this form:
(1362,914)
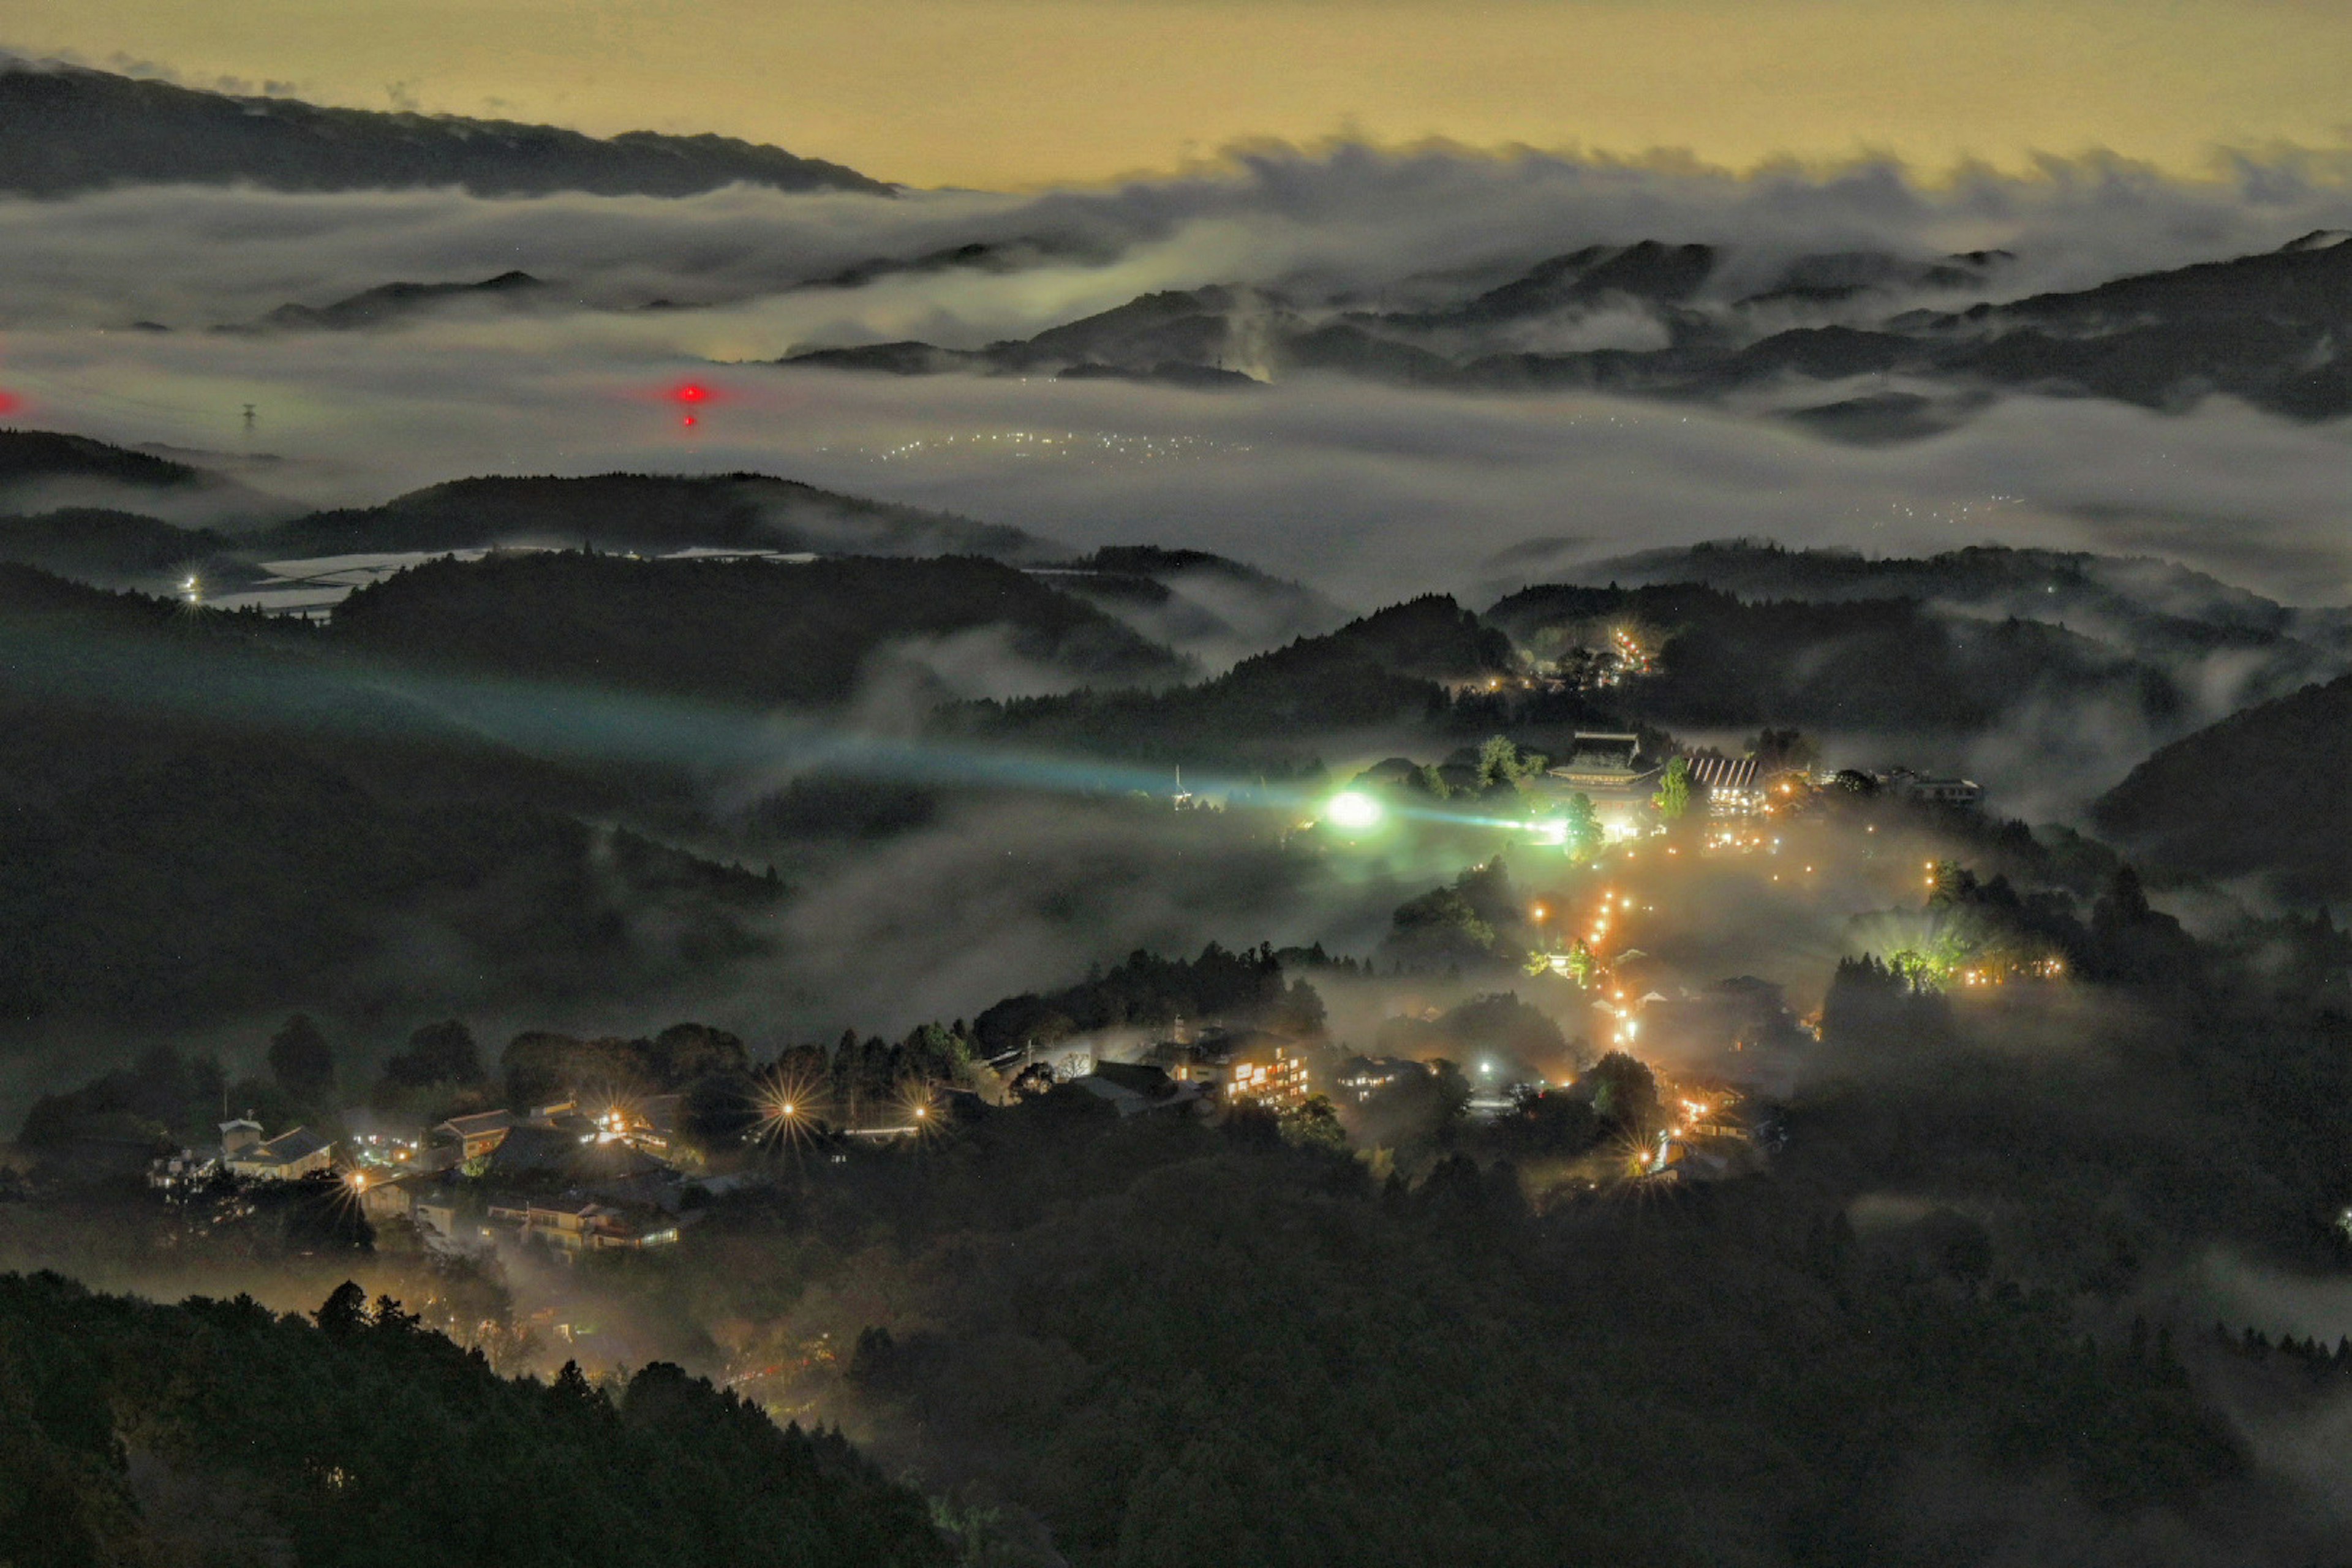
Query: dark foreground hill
(461,781)
(97,545)
(218,1432)
(2263,794)
(63,129)
(200,814)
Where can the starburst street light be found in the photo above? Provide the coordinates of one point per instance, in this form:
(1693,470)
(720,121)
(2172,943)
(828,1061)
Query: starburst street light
(786,1107)
(1354,810)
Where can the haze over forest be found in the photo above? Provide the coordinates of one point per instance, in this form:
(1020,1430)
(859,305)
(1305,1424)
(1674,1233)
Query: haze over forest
(1062,875)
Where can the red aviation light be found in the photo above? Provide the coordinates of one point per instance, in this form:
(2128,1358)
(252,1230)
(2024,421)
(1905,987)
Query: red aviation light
(691,395)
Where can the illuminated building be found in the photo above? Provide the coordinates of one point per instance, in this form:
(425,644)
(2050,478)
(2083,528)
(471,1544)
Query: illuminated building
(289,1157)
(187,1169)
(390,1194)
(651,1124)
(1609,769)
(1733,785)
(1364,1077)
(1277,1078)
(1966,794)
(572,1226)
(1261,1067)
(476,1135)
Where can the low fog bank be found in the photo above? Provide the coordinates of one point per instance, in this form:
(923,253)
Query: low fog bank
(1340,221)
(1369,494)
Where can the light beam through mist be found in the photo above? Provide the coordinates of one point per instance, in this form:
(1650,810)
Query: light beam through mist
(287,694)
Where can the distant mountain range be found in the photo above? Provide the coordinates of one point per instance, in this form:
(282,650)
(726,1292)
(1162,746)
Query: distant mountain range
(1207,607)
(1217,610)
(431,758)
(65,129)
(649,513)
(390,302)
(45,470)
(2156,609)
(2274,329)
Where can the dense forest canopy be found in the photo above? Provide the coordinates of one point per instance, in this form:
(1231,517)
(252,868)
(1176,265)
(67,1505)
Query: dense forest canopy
(220,1432)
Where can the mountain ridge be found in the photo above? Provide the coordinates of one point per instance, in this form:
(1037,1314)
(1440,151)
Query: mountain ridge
(66,130)
(2272,328)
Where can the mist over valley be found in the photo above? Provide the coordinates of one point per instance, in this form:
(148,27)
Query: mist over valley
(1364,854)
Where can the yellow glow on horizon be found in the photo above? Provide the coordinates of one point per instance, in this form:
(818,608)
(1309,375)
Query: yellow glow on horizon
(1007,94)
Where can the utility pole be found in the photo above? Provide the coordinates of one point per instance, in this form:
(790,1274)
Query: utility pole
(250,418)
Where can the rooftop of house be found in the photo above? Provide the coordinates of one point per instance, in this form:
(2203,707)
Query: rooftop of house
(1138,1078)
(299,1143)
(479,1123)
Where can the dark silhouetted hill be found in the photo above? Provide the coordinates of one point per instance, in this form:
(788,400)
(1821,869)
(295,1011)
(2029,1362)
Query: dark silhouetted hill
(649,513)
(2157,608)
(203,813)
(42,470)
(1388,669)
(1862,664)
(2267,328)
(2264,793)
(362,1435)
(753,633)
(27,456)
(1216,609)
(63,129)
(390,302)
(113,547)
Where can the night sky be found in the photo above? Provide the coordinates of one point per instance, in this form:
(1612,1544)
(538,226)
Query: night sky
(999,93)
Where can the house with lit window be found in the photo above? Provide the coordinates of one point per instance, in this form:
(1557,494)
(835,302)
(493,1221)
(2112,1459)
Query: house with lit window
(1275,1077)
(572,1225)
(477,1135)
(1966,794)
(1246,1065)
(387,1195)
(289,1157)
(564,1224)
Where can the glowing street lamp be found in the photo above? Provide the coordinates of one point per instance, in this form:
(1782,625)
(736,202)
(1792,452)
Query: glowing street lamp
(1354,810)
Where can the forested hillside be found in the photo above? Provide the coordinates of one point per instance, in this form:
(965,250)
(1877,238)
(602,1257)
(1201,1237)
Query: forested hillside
(1893,664)
(201,816)
(649,513)
(2264,793)
(1387,667)
(751,633)
(218,1433)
